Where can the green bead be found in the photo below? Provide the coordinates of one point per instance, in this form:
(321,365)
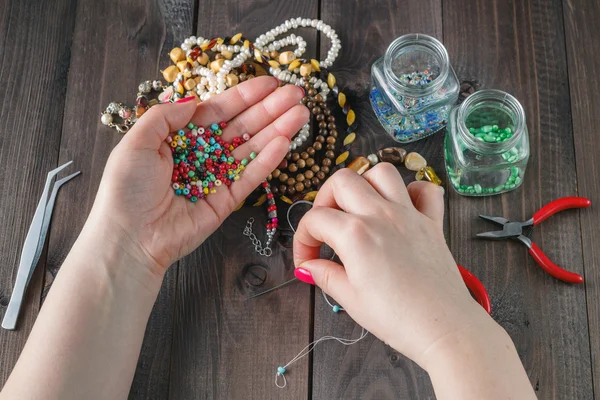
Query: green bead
(486,128)
(463,187)
(190,126)
(244,162)
(205,183)
(507,130)
(197,164)
(191,174)
(489,138)
(230,160)
(477,188)
(252,155)
(213,178)
(498,189)
(494,127)
(194,199)
(518,181)
(472,130)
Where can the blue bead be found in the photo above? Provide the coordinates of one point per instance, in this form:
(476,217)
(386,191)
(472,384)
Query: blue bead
(214,127)
(181,132)
(186,191)
(178,192)
(336,308)
(280,370)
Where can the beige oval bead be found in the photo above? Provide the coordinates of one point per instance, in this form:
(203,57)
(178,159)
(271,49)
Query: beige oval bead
(189,84)
(330,80)
(286,57)
(273,63)
(315,65)
(341,99)
(203,58)
(360,165)
(217,64)
(227,54)
(258,55)
(177,55)
(414,161)
(342,157)
(246,43)
(231,80)
(182,65)
(305,70)
(350,118)
(349,139)
(170,73)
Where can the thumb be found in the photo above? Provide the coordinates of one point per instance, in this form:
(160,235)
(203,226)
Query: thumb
(153,127)
(329,276)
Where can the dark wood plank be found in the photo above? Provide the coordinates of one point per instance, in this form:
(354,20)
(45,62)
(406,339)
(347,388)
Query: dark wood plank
(581,21)
(34,60)
(224,346)
(519,47)
(110,57)
(370,370)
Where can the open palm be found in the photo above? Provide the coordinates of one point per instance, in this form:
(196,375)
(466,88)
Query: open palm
(135,193)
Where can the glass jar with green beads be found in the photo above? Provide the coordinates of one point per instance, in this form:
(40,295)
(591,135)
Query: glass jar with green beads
(487,144)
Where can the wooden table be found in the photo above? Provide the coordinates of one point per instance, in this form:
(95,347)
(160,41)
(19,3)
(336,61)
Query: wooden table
(62,62)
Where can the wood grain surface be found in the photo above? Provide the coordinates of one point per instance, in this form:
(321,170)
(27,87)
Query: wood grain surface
(205,339)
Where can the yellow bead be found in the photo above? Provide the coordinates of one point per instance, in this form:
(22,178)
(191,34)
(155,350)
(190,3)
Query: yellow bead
(342,157)
(349,139)
(240,206)
(294,64)
(305,69)
(170,73)
(189,84)
(217,64)
(431,176)
(183,145)
(310,196)
(246,44)
(260,200)
(187,73)
(176,138)
(273,63)
(341,99)
(286,200)
(236,38)
(315,65)
(286,57)
(213,190)
(220,40)
(231,80)
(182,65)
(204,46)
(330,80)
(236,178)
(258,56)
(179,89)
(227,54)
(419,175)
(350,118)
(360,165)
(203,59)
(205,190)
(242,167)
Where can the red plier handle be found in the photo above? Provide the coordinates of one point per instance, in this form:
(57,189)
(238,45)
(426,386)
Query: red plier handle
(477,288)
(538,255)
(555,206)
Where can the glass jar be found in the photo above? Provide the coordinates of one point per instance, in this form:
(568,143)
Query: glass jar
(413,87)
(487,145)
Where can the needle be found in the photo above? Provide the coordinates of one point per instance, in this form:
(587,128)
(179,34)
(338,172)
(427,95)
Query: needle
(273,288)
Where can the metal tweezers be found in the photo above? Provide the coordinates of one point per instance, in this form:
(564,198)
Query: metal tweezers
(34,244)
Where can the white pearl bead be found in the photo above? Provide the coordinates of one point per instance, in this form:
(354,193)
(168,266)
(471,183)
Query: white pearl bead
(106,118)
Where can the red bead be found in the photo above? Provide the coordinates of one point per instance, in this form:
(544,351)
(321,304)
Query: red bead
(265,184)
(272,208)
(223,124)
(270,196)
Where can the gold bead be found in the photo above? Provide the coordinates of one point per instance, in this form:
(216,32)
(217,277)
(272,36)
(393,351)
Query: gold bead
(349,139)
(170,73)
(177,55)
(330,80)
(315,65)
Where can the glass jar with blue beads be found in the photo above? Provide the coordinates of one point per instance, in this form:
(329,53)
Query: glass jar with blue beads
(413,87)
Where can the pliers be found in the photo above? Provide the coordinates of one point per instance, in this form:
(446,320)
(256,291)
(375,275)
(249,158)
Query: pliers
(521,231)
(476,287)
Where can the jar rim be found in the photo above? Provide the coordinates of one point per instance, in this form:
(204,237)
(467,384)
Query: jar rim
(507,102)
(430,45)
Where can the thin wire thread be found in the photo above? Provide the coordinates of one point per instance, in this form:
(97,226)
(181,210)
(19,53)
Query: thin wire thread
(280,375)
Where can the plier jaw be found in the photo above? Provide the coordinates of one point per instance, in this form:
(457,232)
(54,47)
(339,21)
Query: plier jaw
(510,230)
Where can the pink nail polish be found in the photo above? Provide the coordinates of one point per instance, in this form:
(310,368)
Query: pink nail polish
(189,98)
(304,275)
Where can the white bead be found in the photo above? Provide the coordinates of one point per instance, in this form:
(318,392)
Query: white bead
(373,159)
(106,118)
(185,47)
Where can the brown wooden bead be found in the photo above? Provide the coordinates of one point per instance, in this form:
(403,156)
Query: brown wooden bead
(219,57)
(360,165)
(310,104)
(299,186)
(312,92)
(304,155)
(320,138)
(311,151)
(288,156)
(310,162)
(326,162)
(333,133)
(307,183)
(283,177)
(323,132)
(327,112)
(329,154)
(331,118)
(305,99)
(317,146)
(394,155)
(330,146)
(320,175)
(316,110)
(291,190)
(292,167)
(315,181)
(301,163)
(275,189)
(320,117)
(331,125)
(322,125)
(283,164)
(286,57)
(295,156)
(242,76)
(331,140)
(309,174)
(325,169)
(274,54)
(290,182)
(300,178)
(276,173)
(282,189)
(319,98)
(315,168)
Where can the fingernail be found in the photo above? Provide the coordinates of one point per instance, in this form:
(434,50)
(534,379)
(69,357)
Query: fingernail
(189,98)
(304,275)
(302,90)
(276,81)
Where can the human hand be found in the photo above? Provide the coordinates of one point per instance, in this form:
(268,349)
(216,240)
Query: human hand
(135,196)
(398,279)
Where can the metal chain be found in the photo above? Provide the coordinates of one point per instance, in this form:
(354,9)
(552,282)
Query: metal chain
(258,246)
